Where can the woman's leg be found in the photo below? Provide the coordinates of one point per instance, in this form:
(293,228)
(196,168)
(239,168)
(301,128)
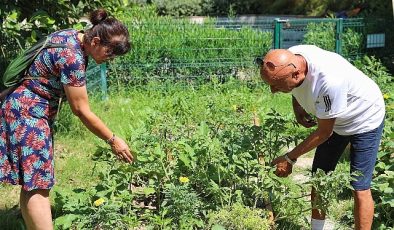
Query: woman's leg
(22,203)
(36,209)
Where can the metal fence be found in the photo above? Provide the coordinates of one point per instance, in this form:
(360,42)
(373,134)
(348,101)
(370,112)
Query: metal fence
(180,50)
(289,31)
(344,36)
(96,76)
(221,48)
(193,51)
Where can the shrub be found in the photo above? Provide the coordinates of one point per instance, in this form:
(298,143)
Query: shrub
(178,8)
(238,217)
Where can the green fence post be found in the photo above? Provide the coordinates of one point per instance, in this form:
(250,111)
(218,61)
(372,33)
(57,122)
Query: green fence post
(277,32)
(103,77)
(338,36)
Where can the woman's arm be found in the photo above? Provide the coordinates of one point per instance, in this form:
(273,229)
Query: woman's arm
(79,103)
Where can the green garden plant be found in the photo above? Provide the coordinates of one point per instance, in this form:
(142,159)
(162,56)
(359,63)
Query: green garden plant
(238,217)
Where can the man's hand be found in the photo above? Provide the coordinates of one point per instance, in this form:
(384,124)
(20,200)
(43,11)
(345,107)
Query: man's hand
(303,117)
(122,150)
(283,168)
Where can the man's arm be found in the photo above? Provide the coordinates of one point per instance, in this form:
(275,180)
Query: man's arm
(322,133)
(301,115)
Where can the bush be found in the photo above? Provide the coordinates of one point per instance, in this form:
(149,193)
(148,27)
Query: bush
(183,205)
(178,8)
(238,217)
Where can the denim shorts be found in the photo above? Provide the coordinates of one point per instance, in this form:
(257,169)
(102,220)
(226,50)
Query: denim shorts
(363,153)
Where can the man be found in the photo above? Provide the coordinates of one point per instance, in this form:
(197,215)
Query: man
(349,108)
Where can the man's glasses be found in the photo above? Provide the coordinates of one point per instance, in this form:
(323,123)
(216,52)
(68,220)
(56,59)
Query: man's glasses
(271,66)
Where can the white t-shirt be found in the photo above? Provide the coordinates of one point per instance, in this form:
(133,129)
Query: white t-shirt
(334,88)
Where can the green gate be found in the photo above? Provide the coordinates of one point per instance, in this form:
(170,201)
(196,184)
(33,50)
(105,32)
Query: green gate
(343,36)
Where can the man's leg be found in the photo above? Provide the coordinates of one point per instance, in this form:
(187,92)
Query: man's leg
(326,158)
(363,154)
(363,209)
(316,213)
(36,209)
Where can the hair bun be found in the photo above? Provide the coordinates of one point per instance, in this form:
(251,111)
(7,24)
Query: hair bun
(98,16)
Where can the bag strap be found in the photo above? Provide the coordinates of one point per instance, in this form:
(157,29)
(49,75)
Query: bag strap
(35,55)
(44,46)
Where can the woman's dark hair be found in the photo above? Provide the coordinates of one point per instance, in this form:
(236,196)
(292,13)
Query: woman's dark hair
(112,33)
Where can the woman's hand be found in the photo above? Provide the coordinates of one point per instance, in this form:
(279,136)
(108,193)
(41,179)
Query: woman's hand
(79,103)
(121,150)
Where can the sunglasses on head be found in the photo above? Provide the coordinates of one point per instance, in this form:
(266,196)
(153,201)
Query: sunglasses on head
(271,66)
(260,62)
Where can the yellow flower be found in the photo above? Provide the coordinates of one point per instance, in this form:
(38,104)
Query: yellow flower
(386,96)
(99,202)
(183,179)
(234,107)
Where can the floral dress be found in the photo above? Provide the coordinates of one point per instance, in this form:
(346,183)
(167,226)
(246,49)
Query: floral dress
(27,114)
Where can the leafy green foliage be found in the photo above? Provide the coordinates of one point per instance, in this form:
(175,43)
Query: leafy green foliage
(352,43)
(315,8)
(382,188)
(238,217)
(374,68)
(23,22)
(34,18)
(323,35)
(102,206)
(207,135)
(178,8)
(183,204)
(383,183)
(328,186)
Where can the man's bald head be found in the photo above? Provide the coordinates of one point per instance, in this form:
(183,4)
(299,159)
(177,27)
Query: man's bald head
(282,70)
(277,63)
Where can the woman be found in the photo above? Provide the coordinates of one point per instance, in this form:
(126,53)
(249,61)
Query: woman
(27,114)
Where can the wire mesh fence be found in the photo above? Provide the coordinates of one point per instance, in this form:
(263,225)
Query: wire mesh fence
(199,50)
(184,50)
(193,51)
